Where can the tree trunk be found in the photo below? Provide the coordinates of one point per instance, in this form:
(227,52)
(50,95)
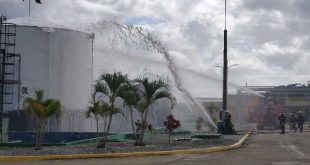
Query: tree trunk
(133,127)
(97,131)
(37,140)
(38,129)
(144,125)
(107,134)
(104,132)
(141,131)
(39,134)
(42,132)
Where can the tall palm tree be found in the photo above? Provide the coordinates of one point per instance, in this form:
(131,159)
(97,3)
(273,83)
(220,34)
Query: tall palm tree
(150,92)
(111,86)
(131,99)
(42,110)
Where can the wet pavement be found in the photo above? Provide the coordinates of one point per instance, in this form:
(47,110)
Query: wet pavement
(263,148)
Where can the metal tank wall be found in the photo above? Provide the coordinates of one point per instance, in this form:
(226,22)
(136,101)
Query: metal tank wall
(57,61)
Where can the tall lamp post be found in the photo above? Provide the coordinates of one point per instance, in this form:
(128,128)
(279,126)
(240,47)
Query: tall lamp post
(225,128)
(220,124)
(225,69)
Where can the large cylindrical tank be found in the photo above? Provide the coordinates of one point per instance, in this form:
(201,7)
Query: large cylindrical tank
(56,60)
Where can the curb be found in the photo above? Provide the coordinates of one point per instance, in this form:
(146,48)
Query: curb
(132,154)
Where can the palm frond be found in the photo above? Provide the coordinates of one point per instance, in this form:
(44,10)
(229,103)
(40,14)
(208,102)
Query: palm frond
(151,87)
(142,106)
(105,109)
(164,94)
(102,88)
(39,95)
(151,92)
(114,81)
(53,108)
(129,94)
(42,108)
(95,109)
(38,108)
(28,102)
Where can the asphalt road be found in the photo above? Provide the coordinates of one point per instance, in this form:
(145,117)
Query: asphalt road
(261,149)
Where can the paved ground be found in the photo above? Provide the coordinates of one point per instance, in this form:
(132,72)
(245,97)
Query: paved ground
(262,149)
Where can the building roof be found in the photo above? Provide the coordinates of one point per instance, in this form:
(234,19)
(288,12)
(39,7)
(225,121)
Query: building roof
(38,22)
(289,90)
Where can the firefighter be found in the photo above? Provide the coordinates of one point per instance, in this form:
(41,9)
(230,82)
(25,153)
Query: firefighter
(282,119)
(227,121)
(228,125)
(293,121)
(300,121)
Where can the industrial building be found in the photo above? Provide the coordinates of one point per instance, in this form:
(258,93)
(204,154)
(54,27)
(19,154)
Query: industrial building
(264,110)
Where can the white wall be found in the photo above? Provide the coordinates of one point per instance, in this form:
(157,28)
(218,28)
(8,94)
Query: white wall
(59,62)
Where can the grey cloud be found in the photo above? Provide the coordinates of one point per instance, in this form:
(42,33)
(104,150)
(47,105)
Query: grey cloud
(267,4)
(16,9)
(301,8)
(201,35)
(284,61)
(186,6)
(197,33)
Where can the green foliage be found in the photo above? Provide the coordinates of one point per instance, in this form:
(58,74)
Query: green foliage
(41,110)
(150,92)
(112,86)
(139,95)
(131,99)
(95,109)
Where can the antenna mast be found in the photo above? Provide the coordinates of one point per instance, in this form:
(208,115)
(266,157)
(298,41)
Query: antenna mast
(225,13)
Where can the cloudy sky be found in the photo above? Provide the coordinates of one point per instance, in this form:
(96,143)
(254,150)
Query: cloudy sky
(268,39)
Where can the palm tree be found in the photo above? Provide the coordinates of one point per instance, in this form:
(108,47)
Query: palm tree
(96,110)
(131,99)
(150,93)
(111,86)
(42,110)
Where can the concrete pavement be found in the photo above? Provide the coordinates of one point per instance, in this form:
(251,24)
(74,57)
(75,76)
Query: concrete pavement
(262,149)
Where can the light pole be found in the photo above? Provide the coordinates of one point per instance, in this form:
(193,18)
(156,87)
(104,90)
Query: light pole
(224,125)
(230,66)
(225,88)
(225,69)
(220,124)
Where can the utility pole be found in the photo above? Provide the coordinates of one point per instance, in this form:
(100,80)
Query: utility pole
(225,71)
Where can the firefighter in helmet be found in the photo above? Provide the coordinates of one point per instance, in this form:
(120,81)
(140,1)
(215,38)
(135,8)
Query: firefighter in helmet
(300,121)
(282,119)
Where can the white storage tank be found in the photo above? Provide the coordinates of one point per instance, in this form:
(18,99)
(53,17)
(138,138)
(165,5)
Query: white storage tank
(56,60)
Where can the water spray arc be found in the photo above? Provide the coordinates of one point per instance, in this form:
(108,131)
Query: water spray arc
(192,72)
(131,36)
